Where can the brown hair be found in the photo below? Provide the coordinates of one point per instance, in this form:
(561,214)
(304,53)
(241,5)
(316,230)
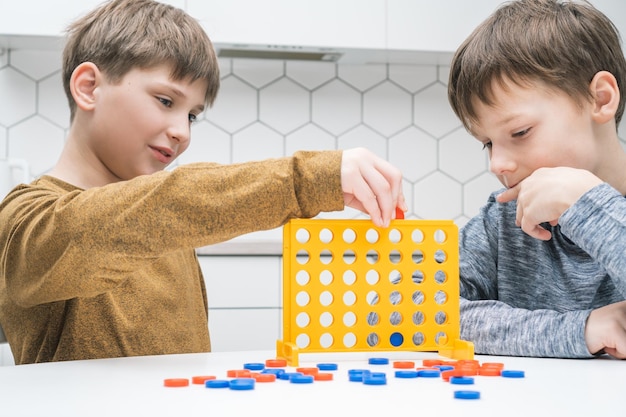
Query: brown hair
(122,35)
(561,43)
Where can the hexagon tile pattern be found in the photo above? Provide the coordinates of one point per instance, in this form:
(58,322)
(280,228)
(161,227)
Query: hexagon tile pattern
(269,108)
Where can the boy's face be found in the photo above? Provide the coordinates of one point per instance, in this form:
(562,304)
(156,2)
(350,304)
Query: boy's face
(141,124)
(531,126)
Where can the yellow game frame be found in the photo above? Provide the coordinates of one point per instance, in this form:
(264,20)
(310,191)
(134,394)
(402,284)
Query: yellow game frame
(351,286)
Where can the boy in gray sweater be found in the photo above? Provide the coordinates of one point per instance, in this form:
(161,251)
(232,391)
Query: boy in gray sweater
(543,265)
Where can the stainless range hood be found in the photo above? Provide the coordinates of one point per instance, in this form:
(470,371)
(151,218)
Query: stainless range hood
(360,56)
(277,52)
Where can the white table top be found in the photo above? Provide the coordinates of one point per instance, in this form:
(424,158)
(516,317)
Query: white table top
(134,387)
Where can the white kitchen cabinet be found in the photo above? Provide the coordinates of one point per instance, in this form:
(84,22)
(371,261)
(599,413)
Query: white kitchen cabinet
(242,281)
(41,17)
(303,23)
(437,26)
(6,356)
(318,23)
(244,329)
(426,25)
(45,17)
(245,305)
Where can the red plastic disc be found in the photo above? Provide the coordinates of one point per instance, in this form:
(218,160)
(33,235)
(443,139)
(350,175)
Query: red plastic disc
(176,382)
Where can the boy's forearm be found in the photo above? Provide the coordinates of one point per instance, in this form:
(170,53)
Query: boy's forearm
(498,329)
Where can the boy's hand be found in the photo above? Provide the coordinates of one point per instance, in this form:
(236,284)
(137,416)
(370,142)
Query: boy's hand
(545,194)
(606,330)
(372,185)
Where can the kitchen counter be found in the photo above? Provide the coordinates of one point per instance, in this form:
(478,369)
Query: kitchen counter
(244,248)
(261,243)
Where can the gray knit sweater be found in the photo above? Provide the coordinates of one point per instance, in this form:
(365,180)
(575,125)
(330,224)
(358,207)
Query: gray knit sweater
(527,297)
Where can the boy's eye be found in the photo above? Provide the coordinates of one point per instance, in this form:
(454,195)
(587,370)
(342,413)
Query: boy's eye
(192,118)
(521,133)
(165,102)
(487,145)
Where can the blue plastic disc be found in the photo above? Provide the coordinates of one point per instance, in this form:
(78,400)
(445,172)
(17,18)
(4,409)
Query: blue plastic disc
(429,373)
(396,339)
(356,375)
(276,371)
(461,380)
(512,374)
(375,378)
(327,366)
(254,366)
(286,376)
(301,379)
(242,384)
(216,383)
(406,374)
(467,395)
(378,361)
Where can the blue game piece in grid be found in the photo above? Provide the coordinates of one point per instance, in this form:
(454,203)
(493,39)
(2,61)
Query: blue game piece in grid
(396,339)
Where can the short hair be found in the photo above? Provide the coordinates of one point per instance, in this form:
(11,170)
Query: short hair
(560,43)
(122,35)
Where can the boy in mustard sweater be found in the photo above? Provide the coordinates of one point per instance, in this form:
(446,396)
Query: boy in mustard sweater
(97,258)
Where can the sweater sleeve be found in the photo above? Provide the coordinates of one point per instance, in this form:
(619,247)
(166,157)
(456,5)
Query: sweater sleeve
(498,272)
(52,235)
(496,328)
(597,224)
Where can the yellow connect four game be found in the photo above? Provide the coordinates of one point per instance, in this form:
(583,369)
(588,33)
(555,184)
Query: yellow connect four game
(351,286)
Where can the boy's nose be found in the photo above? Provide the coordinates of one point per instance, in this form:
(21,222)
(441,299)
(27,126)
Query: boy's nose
(180,130)
(500,163)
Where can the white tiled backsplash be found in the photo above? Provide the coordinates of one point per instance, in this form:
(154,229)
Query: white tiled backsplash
(269,108)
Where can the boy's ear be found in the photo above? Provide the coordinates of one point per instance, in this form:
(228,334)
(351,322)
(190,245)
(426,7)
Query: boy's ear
(83,83)
(606,96)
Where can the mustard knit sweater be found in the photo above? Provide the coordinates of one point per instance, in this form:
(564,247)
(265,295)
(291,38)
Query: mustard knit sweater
(112,271)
